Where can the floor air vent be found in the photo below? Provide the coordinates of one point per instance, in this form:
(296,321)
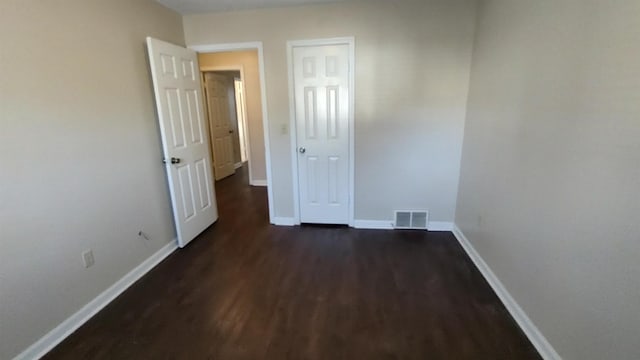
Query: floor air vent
(411,219)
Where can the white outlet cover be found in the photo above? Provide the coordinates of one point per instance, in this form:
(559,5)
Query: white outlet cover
(87,258)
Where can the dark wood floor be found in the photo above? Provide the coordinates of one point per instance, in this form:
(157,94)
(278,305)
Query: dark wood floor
(247,290)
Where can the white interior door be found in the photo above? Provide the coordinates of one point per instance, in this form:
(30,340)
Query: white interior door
(217,87)
(321,93)
(185,141)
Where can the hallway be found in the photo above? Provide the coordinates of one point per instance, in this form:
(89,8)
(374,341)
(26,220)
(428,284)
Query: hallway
(245,289)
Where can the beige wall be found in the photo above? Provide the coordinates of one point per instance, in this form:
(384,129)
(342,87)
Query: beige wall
(549,191)
(81,156)
(412,71)
(253,99)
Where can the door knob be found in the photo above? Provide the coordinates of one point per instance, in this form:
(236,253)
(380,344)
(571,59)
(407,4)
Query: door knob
(302,150)
(173,160)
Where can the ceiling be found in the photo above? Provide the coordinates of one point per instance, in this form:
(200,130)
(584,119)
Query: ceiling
(201,6)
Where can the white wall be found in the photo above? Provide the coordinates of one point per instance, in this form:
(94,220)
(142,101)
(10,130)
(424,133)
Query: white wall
(549,192)
(81,155)
(412,70)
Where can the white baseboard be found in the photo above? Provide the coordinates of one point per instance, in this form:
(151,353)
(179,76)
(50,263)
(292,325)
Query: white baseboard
(258,183)
(283,221)
(440,226)
(237,165)
(72,323)
(528,327)
(373,224)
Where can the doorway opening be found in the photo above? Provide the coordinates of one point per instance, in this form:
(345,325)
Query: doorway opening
(186,149)
(226,111)
(235,106)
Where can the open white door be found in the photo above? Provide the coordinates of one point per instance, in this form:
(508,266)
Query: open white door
(185,140)
(220,121)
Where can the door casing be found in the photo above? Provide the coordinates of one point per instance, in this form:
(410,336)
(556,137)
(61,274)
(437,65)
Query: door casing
(350,42)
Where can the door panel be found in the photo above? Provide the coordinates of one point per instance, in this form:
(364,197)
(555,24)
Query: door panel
(321,95)
(312,184)
(184,137)
(195,118)
(220,119)
(186,191)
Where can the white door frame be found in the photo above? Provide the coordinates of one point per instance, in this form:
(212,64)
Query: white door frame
(350,41)
(239,68)
(253,45)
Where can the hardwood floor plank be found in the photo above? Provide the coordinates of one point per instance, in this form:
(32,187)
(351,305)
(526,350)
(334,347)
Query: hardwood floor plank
(248,290)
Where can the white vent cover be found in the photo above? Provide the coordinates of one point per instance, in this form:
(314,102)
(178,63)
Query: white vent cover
(411,219)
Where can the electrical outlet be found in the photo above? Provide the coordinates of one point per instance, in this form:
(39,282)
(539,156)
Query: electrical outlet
(87,258)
